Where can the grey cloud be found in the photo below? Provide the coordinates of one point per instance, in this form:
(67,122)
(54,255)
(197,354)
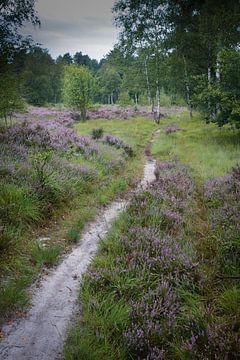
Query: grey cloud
(75,26)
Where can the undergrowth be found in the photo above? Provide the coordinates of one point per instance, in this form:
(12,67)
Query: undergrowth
(52,179)
(165,283)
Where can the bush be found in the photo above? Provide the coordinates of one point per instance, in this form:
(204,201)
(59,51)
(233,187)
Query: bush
(118,143)
(97,133)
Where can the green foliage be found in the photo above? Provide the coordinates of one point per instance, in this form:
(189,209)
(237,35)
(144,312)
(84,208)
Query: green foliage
(13,16)
(10,99)
(80,59)
(219,100)
(124,99)
(97,133)
(109,82)
(40,77)
(77,88)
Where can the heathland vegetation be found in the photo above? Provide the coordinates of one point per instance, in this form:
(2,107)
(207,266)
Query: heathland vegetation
(73,136)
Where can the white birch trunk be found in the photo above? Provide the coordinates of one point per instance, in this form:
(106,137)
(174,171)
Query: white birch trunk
(158,104)
(150,99)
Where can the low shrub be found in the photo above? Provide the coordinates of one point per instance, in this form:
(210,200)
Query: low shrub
(118,143)
(172,128)
(222,195)
(97,133)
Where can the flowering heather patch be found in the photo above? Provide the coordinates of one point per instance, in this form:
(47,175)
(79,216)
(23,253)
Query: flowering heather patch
(222,195)
(62,117)
(87,146)
(117,112)
(118,143)
(172,128)
(151,266)
(50,135)
(67,117)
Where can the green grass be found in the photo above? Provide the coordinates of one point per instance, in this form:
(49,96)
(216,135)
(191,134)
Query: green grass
(47,256)
(211,151)
(21,259)
(133,131)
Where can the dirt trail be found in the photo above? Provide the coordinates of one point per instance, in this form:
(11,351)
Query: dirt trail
(41,334)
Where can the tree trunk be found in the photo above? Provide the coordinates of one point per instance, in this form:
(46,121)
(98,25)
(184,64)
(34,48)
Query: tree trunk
(188,96)
(136,99)
(150,98)
(158,114)
(83,114)
(218,79)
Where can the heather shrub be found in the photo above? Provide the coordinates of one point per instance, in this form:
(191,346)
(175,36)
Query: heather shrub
(118,112)
(87,147)
(222,195)
(118,143)
(171,128)
(150,263)
(38,172)
(56,181)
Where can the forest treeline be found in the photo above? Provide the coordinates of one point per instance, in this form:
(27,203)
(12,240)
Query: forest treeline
(187,50)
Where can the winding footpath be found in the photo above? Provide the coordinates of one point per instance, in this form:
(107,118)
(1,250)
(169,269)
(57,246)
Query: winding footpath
(42,333)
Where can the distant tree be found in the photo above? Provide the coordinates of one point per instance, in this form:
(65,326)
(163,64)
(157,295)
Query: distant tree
(39,77)
(10,99)
(80,59)
(77,88)
(65,59)
(219,100)
(144,26)
(200,31)
(109,83)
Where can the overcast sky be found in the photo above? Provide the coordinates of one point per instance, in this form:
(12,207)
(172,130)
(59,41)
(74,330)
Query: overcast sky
(75,25)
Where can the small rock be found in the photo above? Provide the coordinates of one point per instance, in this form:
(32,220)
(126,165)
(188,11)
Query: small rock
(44,239)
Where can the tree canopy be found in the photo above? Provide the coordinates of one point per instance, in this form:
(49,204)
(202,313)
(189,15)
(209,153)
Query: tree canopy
(13,14)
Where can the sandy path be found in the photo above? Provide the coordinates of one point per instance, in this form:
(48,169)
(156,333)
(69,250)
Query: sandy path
(41,334)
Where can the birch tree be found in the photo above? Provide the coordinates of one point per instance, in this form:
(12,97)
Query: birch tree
(143,26)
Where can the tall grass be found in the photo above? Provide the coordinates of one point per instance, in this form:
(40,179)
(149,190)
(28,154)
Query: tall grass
(210,150)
